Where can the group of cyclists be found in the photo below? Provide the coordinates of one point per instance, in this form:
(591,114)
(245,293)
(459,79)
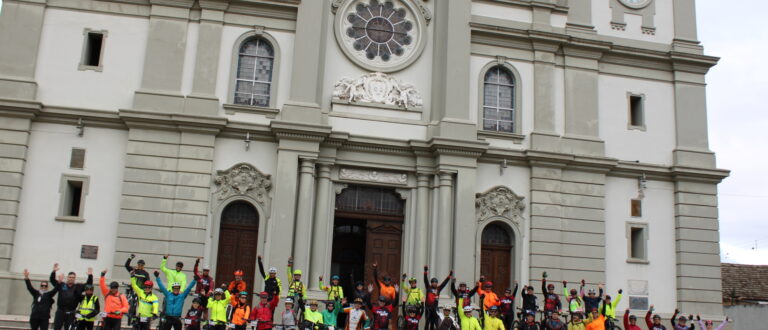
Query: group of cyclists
(397,307)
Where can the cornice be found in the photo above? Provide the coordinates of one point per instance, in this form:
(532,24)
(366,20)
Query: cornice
(19,108)
(556,7)
(299,131)
(172,121)
(456,147)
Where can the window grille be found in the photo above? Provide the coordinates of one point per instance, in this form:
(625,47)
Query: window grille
(240,213)
(369,200)
(499,100)
(254,73)
(495,234)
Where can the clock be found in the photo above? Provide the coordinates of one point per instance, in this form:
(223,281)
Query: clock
(635,4)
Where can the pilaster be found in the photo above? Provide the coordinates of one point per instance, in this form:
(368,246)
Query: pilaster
(203,100)
(444,224)
(21,24)
(580,18)
(465,223)
(686,39)
(582,122)
(421,234)
(304,206)
(322,232)
(164,58)
(692,147)
(544,136)
(308,68)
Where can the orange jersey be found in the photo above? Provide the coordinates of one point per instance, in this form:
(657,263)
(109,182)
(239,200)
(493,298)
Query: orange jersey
(491,299)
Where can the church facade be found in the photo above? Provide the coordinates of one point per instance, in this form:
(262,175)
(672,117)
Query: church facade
(503,138)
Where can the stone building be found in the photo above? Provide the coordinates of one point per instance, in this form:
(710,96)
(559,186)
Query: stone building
(495,137)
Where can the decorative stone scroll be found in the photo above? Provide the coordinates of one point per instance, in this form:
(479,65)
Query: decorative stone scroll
(373,176)
(242,179)
(377,87)
(499,201)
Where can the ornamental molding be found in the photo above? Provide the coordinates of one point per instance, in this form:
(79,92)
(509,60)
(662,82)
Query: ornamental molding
(243,179)
(377,87)
(373,176)
(499,201)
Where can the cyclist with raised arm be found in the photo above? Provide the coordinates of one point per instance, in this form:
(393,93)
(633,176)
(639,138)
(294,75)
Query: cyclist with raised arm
(448,321)
(264,311)
(382,314)
(174,300)
(489,298)
(680,325)
(357,315)
(573,298)
(69,297)
(553,322)
(609,308)
(272,283)
(115,303)
(175,275)
(596,320)
(241,312)
(462,292)
(507,306)
(412,317)
(577,322)
(592,300)
(289,316)
(467,320)
(88,309)
(552,302)
(432,300)
(331,312)
(630,321)
(312,316)
(236,286)
(386,287)
(655,323)
(413,294)
(42,301)
(217,309)
(335,292)
(296,288)
(709,325)
(530,322)
(492,319)
(205,283)
(148,308)
(530,303)
(194,315)
(138,272)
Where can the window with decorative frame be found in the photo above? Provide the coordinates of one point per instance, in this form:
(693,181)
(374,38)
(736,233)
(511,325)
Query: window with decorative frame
(499,100)
(255,69)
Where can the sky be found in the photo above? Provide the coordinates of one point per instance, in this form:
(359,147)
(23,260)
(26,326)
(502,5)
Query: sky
(738,121)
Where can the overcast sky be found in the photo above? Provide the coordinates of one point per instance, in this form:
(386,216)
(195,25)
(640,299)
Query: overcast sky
(738,121)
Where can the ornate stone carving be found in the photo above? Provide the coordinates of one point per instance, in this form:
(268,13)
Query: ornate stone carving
(242,179)
(373,176)
(499,201)
(339,187)
(377,87)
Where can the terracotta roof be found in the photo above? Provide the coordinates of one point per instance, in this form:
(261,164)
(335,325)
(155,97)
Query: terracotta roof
(748,282)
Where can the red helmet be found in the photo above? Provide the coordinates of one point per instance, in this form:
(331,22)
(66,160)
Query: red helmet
(148,284)
(238,272)
(488,283)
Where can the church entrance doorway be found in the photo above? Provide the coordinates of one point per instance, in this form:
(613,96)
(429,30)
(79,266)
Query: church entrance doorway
(238,237)
(496,256)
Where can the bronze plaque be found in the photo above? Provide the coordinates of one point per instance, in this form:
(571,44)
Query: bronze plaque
(89,252)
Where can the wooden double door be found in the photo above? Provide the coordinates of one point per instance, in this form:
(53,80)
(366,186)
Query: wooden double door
(238,242)
(496,255)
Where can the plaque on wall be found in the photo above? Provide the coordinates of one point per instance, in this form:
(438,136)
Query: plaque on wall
(89,252)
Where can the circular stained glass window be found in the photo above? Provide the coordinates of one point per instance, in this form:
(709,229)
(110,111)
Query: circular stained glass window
(380,35)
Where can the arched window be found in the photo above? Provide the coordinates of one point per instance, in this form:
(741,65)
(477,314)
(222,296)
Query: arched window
(254,72)
(499,100)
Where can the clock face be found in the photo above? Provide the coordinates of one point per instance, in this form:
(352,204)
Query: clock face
(635,3)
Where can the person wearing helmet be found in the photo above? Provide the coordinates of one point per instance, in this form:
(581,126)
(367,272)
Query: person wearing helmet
(289,316)
(205,283)
(382,314)
(195,314)
(42,301)
(363,293)
(357,315)
(386,287)
(431,301)
(709,325)
(551,299)
(335,292)
(630,321)
(272,283)
(530,303)
(553,322)
(493,321)
(412,317)
(237,285)
(217,309)
(610,306)
(592,299)
(241,311)
(69,296)
(485,290)
(175,275)
(138,272)
(296,288)
(596,320)
(468,322)
(414,296)
(680,324)
(115,303)
(312,318)
(147,308)
(507,306)
(573,298)
(331,312)
(447,320)
(88,309)
(174,300)
(263,312)
(577,322)
(655,322)
(463,291)
(530,322)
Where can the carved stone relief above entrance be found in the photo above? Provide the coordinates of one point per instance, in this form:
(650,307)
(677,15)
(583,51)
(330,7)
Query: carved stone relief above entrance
(245,180)
(499,201)
(377,87)
(373,176)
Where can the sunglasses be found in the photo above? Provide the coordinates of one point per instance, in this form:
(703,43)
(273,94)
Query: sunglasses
(43,286)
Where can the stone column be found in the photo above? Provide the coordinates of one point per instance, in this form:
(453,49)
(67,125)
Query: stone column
(203,100)
(308,63)
(421,234)
(322,235)
(164,58)
(444,224)
(304,207)
(465,223)
(21,24)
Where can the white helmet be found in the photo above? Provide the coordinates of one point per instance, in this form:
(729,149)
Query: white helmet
(272,270)
(468,308)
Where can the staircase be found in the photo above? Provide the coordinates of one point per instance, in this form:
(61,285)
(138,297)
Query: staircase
(19,322)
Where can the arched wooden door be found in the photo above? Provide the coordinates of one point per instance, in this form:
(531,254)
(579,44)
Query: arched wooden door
(238,238)
(496,256)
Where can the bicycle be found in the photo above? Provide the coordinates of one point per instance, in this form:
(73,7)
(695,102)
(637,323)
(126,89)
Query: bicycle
(610,324)
(132,303)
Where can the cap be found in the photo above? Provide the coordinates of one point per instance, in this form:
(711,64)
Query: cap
(530,313)
(148,284)
(607,296)
(176,285)
(207,267)
(467,309)
(656,316)
(88,287)
(358,301)
(263,294)
(682,318)
(412,309)
(335,277)
(359,283)
(297,272)
(507,290)
(550,286)
(272,270)
(462,284)
(141,262)
(433,280)
(114,285)
(289,300)
(238,272)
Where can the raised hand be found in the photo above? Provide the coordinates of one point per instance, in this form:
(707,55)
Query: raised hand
(370,288)
(90,271)
(259,256)
(375,265)
(321,278)
(344,301)
(620,291)
(290,260)
(426,268)
(404,276)
(583,283)
(157,274)
(26,273)
(601,285)
(450,273)
(650,308)
(698,317)
(60,278)
(565,283)
(397,287)
(677,311)
(544,275)
(482,278)
(56,267)
(165,256)
(515,282)
(133,256)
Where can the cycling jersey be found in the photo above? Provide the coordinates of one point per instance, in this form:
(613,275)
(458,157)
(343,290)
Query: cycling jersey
(335,292)
(610,309)
(205,284)
(217,309)
(240,314)
(271,284)
(493,323)
(385,290)
(115,305)
(581,325)
(296,288)
(355,318)
(329,317)
(507,303)
(592,302)
(236,287)
(313,317)
(414,295)
(554,325)
(529,301)
(597,324)
(141,275)
(529,326)
(263,312)
(194,315)
(468,322)
(677,326)
(628,326)
(463,294)
(575,303)
(174,302)
(172,275)
(490,298)
(551,300)
(89,308)
(148,303)
(412,322)
(381,316)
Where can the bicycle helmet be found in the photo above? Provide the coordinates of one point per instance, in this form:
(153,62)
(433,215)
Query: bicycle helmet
(433,280)
(632,317)
(313,302)
(179,264)
(238,272)
(176,285)
(114,285)
(88,287)
(197,300)
(467,309)
(272,270)
(358,301)
(244,294)
(412,279)
(207,267)
(335,277)
(494,308)
(382,298)
(263,294)
(218,291)
(289,300)
(297,272)
(488,284)
(550,286)
(148,284)
(141,262)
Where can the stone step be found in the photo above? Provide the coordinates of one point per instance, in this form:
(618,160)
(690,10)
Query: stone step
(15,322)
